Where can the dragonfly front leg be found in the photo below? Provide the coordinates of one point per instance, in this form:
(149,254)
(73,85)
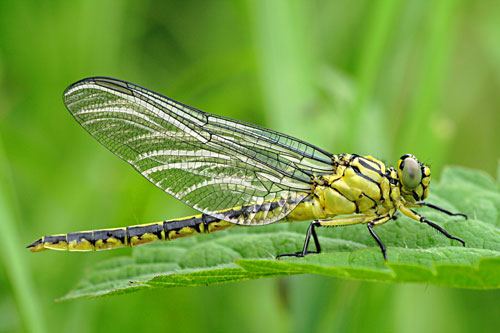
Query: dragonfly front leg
(416,216)
(343,221)
(436,207)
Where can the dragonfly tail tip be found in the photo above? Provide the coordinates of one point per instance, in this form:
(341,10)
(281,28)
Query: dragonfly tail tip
(36,246)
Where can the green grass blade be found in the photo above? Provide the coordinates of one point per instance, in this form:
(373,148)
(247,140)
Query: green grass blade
(419,122)
(284,61)
(380,26)
(13,256)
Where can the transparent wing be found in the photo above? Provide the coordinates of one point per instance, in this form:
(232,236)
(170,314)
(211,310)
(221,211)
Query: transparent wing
(210,162)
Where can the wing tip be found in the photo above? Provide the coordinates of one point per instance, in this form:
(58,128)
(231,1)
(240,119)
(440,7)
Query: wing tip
(103,81)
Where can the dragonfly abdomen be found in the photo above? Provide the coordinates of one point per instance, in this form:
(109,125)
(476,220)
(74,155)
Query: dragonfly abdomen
(104,239)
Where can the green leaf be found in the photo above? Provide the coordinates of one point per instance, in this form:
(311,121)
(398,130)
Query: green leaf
(416,252)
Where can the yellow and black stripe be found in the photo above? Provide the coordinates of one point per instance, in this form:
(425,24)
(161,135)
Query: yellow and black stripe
(103,239)
(97,240)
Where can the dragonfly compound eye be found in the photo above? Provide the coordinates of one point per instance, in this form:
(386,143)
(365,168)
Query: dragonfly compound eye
(411,173)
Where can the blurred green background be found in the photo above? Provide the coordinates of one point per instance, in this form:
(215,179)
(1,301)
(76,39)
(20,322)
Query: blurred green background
(373,77)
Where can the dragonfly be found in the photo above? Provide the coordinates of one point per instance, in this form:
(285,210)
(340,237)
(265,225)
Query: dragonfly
(235,173)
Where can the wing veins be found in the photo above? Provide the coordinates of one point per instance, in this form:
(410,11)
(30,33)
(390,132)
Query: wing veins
(153,121)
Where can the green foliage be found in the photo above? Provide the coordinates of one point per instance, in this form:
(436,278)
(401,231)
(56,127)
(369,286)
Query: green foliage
(416,252)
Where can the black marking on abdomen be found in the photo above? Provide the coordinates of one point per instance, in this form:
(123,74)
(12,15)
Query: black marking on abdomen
(55,239)
(207,219)
(233,214)
(79,236)
(138,231)
(104,235)
(298,199)
(205,222)
(193,222)
(267,206)
(210,219)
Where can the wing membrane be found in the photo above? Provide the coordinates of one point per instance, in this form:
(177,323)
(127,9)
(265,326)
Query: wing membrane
(211,162)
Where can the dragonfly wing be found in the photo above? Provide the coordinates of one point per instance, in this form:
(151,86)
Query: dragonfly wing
(210,162)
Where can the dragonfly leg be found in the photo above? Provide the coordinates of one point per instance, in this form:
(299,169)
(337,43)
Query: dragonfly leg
(370,222)
(337,222)
(423,203)
(370,226)
(375,222)
(441,230)
(416,216)
(304,252)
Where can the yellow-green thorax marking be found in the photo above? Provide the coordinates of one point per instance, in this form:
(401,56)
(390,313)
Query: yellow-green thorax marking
(233,172)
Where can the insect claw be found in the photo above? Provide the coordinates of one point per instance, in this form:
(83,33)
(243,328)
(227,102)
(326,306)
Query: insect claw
(459,239)
(298,254)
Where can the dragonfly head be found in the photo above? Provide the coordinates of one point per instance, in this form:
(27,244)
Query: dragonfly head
(414,178)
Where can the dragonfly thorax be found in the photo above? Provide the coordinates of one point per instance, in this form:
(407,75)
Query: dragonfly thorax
(359,185)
